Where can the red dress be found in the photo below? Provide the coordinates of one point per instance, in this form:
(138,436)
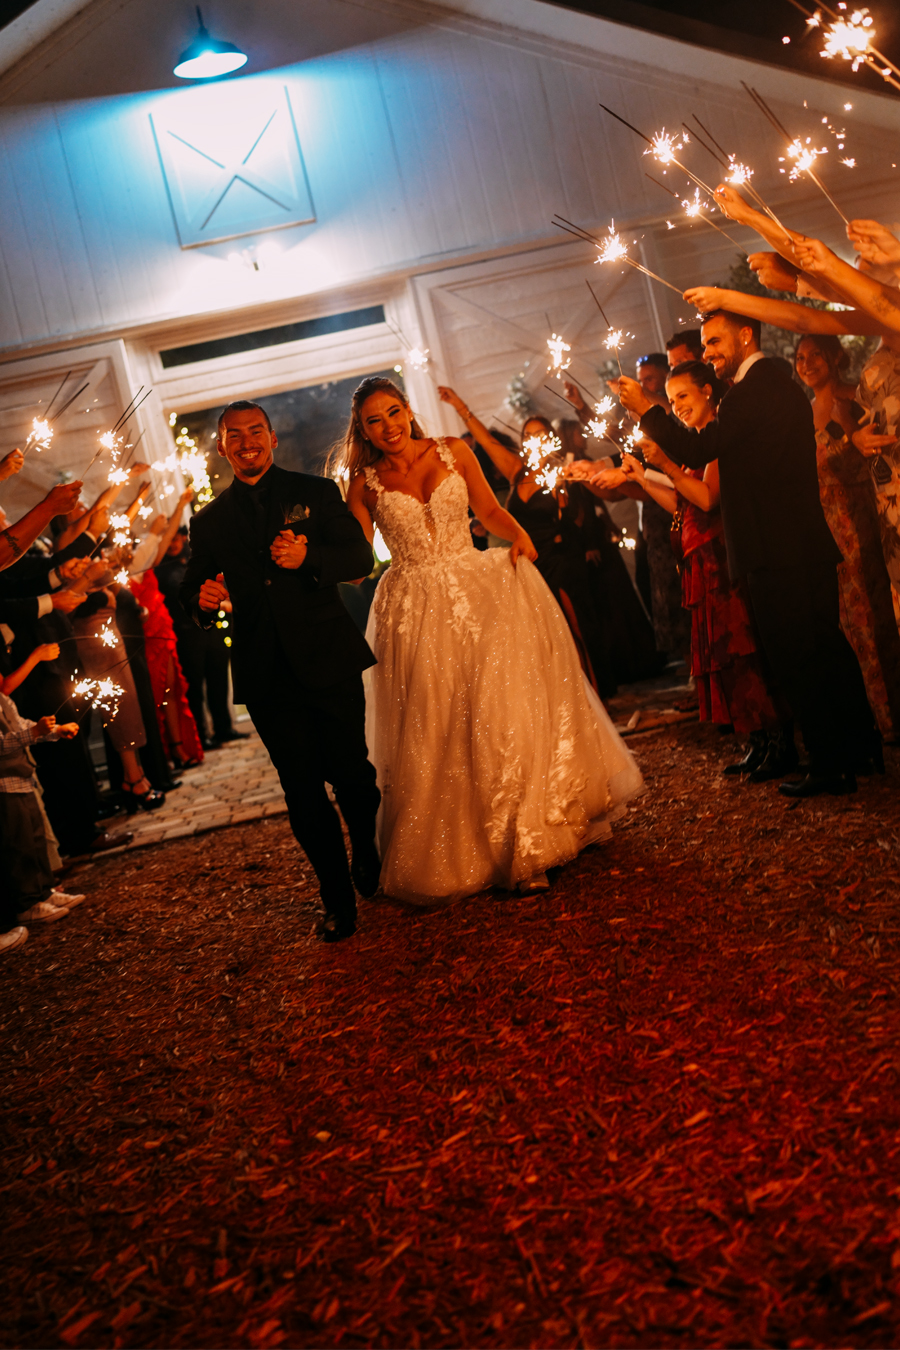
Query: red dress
(159,636)
(724,659)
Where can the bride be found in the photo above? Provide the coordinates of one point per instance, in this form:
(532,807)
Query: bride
(495,759)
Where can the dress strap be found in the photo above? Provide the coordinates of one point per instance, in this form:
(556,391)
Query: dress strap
(446,453)
(373,482)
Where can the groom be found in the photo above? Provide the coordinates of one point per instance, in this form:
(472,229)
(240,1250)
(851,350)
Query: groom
(271,549)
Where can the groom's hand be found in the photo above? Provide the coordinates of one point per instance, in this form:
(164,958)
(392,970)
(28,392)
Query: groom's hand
(289,549)
(214,595)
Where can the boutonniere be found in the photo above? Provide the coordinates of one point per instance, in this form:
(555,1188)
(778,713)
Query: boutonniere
(294,514)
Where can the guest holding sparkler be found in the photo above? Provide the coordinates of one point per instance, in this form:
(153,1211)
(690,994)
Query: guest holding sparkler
(175,719)
(27,891)
(878,394)
(725,664)
(549,521)
(670,622)
(777,540)
(15,539)
(102,654)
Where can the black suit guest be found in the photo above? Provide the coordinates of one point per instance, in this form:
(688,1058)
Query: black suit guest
(778,543)
(273,547)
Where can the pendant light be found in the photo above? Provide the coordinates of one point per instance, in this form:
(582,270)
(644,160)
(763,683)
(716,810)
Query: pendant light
(206,58)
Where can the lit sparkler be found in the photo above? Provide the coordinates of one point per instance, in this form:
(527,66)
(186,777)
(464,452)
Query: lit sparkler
(803,153)
(104,695)
(544,460)
(737,174)
(693,209)
(118,476)
(850,38)
(418,358)
(39,437)
(106,634)
(557,346)
(121,577)
(611,249)
(662,148)
(145,511)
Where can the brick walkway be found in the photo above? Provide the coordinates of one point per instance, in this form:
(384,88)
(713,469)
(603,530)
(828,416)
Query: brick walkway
(234,784)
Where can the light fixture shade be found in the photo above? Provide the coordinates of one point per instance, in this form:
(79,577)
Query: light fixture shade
(206,58)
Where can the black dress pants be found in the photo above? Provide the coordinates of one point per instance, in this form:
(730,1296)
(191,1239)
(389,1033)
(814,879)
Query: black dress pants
(797,617)
(314,737)
(25,874)
(70,790)
(204,659)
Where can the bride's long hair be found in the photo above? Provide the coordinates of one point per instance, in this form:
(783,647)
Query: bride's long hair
(355,452)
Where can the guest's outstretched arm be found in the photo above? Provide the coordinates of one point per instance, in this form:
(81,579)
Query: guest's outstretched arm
(785,313)
(881,303)
(15,539)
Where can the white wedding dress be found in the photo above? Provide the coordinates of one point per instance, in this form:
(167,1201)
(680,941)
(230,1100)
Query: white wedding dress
(495,758)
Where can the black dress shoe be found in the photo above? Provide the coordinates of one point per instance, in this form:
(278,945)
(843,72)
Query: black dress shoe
(756,753)
(781,757)
(365,869)
(107,809)
(233,736)
(814,784)
(339,926)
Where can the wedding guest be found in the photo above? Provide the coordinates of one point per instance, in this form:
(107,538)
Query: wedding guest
(204,655)
(878,394)
(561,561)
(15,539)
(687,345)
(670,622)
(27,892)
(103,656)
(174,717)
(725,664)
(849,502)
(778,542)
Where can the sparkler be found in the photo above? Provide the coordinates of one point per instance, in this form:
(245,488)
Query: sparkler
(557,346)
(544,460)
(693,209)
(737,174)
(40,436)
(106,634)
(663,147)
(611,249)
(801,152)
(418,358)
(852,39)
(103,695)
(121,577)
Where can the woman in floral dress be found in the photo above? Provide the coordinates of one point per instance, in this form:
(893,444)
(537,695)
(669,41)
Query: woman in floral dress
(857,514)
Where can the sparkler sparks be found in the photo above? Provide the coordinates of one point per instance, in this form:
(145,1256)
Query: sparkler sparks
(738,174)
(418,357)
(103,695)
(804,154)
(121,577)
(851,39)
(612,249)
(118,476)
(557,346)
(693,208)
(614,340)
(40,435)
(544,460)
(106,634)
(145,511)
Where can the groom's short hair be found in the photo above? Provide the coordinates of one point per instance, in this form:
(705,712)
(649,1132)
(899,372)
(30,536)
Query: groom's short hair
(242,405)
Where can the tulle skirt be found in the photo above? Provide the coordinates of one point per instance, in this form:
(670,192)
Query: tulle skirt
(495,758)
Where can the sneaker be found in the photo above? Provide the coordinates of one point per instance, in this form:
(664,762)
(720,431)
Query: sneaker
(14,938)
(63,900)
(44,912)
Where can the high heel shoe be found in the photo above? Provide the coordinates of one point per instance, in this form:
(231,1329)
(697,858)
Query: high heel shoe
(150,800)
(182,764)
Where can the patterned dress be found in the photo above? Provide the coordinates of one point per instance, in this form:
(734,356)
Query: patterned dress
(851,508)
(725,663)
(879,394)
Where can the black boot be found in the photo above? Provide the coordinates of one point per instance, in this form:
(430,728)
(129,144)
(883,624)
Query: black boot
(756,753)
(781,756)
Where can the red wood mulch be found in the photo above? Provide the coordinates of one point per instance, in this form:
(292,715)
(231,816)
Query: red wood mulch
(658,1107)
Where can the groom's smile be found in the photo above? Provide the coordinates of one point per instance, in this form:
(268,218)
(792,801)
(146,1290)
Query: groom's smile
(247,440)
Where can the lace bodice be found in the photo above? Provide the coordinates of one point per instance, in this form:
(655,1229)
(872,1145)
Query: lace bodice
(422,534)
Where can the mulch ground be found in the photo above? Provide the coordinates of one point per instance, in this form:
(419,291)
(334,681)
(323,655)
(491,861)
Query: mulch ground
(659,1106)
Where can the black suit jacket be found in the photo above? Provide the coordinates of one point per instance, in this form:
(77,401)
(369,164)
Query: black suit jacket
(765,441)
(30,575)
(297,610)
